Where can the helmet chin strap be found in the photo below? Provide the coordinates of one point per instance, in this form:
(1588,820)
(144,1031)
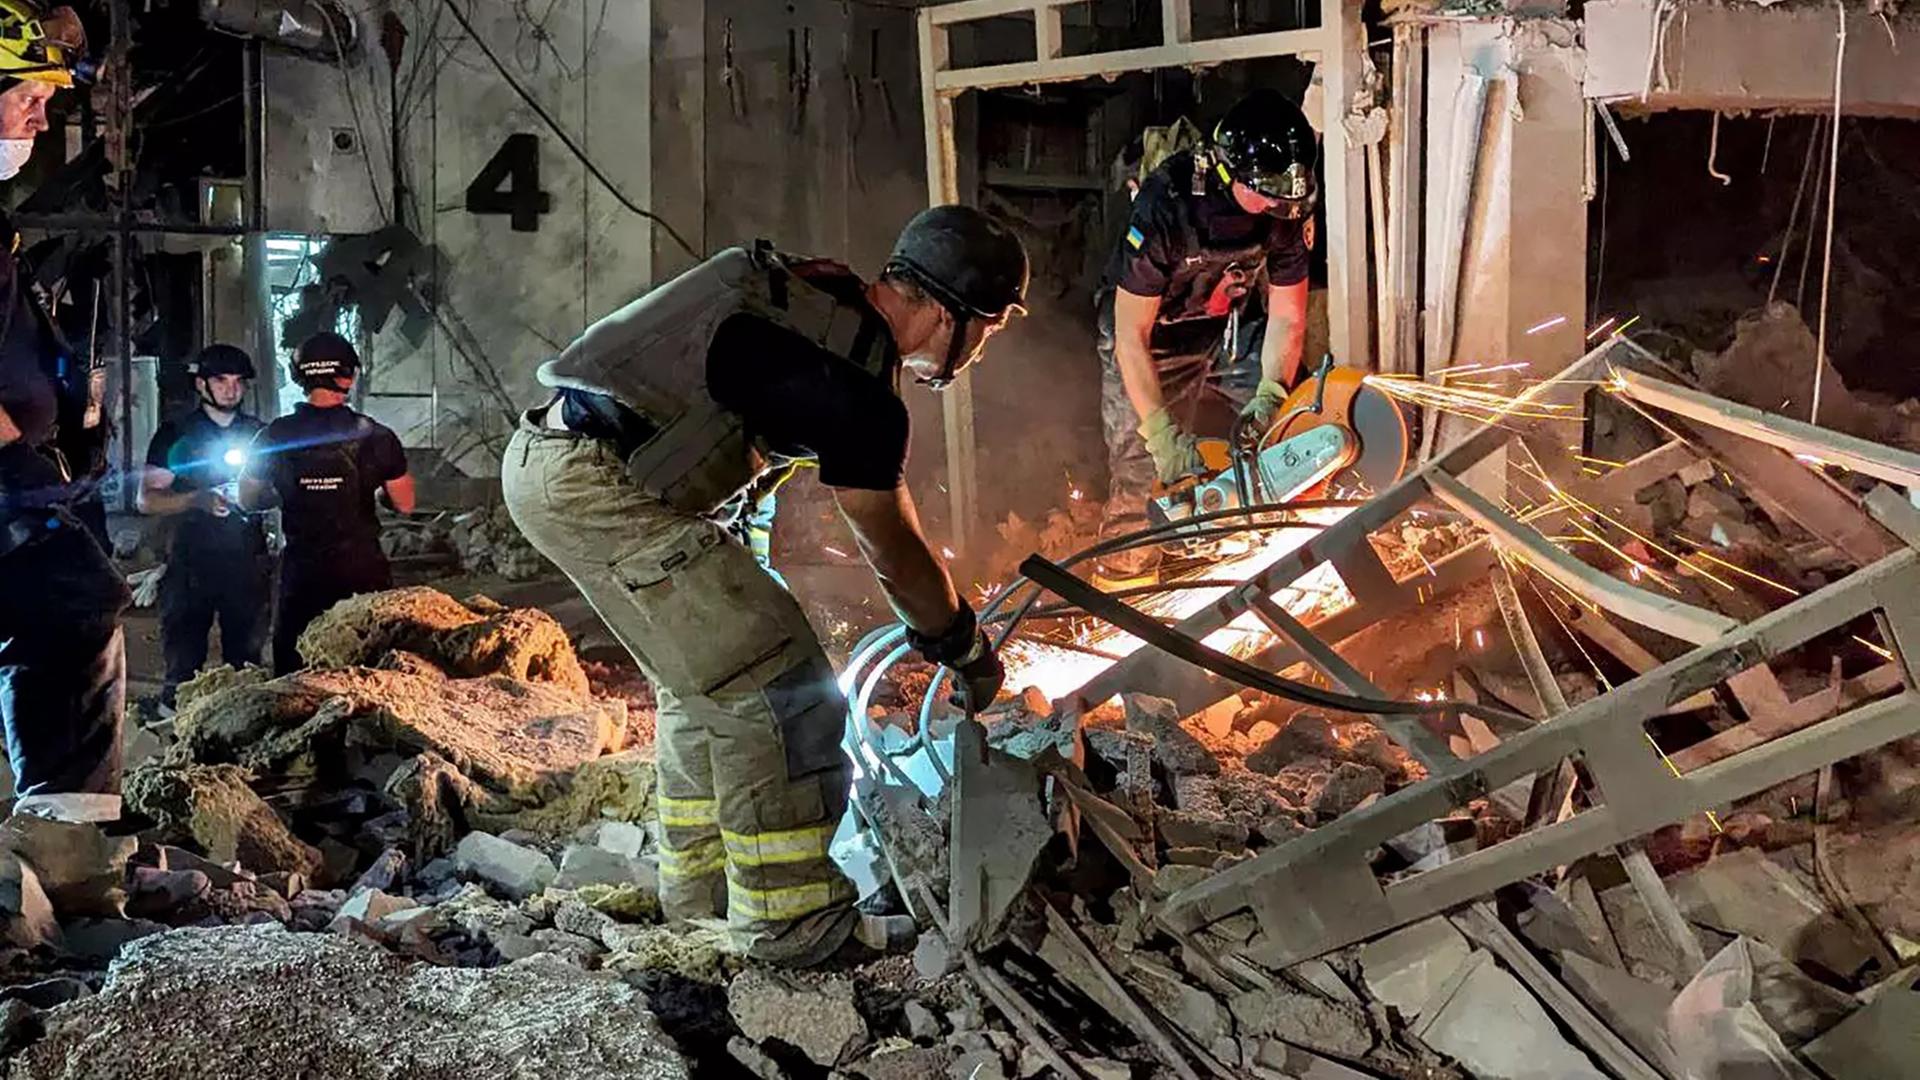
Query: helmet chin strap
(954,348)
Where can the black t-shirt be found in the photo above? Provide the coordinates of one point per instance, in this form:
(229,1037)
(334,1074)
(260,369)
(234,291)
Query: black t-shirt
(196,450)
(1196,251)
(805,402)
(326,466)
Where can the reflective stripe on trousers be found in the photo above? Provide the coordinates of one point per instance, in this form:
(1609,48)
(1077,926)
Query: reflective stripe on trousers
(752,777)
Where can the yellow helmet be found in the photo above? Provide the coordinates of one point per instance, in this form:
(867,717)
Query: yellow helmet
(40,45)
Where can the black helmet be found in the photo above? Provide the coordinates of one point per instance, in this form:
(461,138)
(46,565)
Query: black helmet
(969,262)
(1265,142)
(223,360)
(322,359)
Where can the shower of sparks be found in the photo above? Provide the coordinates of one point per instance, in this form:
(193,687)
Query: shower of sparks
(831,550)
(1471,402)
(1479,639)
(1548,325)
(1880,651)
(1602,328)
(947,551)
(1057,670)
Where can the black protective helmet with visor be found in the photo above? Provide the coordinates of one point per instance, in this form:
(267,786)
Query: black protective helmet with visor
(1266,143)
(972,265)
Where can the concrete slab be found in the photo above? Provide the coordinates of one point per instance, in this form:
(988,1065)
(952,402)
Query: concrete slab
(1498,1031)
(1634,1008)
(1406,968)
(1882,1039)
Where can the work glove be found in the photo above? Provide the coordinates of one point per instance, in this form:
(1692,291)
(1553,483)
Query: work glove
(1175,457)
(964,648)
(1260,411)
(977,681)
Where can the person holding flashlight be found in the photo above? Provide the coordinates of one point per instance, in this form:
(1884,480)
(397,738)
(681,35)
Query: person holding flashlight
(217,564)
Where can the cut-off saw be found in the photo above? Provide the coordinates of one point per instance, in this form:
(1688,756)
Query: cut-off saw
(1333,436)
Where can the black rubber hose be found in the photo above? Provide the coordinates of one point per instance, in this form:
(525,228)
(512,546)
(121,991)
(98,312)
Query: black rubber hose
(1145,627)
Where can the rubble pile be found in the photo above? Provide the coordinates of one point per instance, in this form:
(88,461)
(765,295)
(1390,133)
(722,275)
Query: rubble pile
(481,541)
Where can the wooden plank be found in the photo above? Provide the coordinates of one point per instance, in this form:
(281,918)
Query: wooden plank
(1479,923)
(1796,436)
(1552,797)
(1136,1018)
(1805,712)
(1405,728)
(1048,32)
(1786,489)
(970,10)
(1176,22)
(943,187)
(1597,628)
(1669,616)
(1312,41)
(1406,135)
(1344,70)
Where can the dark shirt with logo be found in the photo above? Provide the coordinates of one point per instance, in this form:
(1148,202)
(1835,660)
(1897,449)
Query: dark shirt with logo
(202,454)
(326,465)
(1200,254)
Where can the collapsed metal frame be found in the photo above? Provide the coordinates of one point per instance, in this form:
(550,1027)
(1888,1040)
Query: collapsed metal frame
(1319,893)
(1338,45)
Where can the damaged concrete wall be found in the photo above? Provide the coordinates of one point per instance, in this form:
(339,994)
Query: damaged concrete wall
(1750,57)
(799,124)
(1506,139)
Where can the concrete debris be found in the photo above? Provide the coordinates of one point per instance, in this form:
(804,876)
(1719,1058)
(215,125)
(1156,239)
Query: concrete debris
(213,808)
(754,1059)
(921,1022)
(24,905)
(1882,1039)
(1000,827)
(81,868)
(1746,893)
(815,1015)
(1304,1019)
(1634,1008)
(702,953)
(210,1002)
(1770,366)
(933,957)
(372,906)
(1719,1027)
(1346,788)
(100,940)
(1499,1031)
(1175,749)
(1409,967)
(623,838)
(583,865)
(506,868)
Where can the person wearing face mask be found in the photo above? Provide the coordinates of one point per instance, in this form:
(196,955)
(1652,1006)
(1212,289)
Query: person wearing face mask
(666,415)
(62,651)
(1212,229)
(217,562)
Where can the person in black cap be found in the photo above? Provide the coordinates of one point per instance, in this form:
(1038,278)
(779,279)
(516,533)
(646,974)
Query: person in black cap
(217,563)
(1212,229)
(667,417)
(324,466)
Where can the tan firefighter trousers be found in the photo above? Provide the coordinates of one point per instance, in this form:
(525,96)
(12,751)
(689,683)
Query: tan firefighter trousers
(752,777)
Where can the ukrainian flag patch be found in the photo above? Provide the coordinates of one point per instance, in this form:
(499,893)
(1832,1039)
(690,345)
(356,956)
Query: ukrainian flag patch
(1136,237)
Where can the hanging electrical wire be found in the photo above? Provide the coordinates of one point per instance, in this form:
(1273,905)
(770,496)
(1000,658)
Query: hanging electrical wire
(561,134)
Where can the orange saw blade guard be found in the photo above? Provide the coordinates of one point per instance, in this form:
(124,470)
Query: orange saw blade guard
(1378,427)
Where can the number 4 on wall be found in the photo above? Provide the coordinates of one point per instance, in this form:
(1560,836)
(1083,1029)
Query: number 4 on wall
(510,184)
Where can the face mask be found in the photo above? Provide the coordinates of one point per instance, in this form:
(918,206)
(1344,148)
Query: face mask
(13,156)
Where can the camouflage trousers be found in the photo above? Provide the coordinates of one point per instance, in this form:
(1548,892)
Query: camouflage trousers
(753,780)
(1203,389)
